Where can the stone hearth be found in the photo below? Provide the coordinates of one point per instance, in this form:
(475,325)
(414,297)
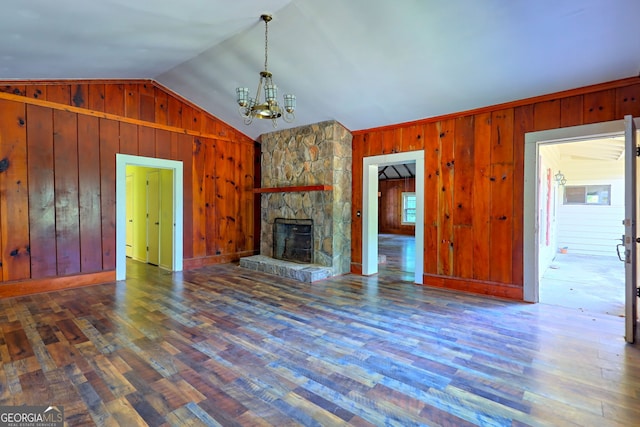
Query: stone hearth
(314,155)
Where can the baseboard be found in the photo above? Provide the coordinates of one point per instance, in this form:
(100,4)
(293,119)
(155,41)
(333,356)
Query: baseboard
(36,286)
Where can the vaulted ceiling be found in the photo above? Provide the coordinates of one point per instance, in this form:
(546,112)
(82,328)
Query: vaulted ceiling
(363,63)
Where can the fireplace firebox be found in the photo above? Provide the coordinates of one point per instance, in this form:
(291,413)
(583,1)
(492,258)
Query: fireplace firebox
(293,240)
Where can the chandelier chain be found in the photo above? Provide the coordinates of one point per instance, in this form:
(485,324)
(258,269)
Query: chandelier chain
(266,44)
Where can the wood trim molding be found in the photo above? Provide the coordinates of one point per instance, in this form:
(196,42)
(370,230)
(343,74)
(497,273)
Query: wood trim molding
(191,263)
(109,116)
(512,104)
(36,286)
(294,189)
(493,289)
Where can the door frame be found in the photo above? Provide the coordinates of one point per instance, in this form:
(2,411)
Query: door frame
(124,160)
(533,141)
(370,209)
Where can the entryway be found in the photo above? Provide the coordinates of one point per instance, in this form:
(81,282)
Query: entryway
(172,207)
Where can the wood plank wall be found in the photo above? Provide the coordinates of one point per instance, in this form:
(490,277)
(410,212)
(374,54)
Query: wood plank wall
(390,208)
(474,177)
(58,142)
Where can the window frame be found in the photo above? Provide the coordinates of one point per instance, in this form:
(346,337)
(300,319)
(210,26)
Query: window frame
(588,188)
(406,195)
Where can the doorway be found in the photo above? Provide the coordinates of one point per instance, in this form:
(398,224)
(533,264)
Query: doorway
(532,176)
(581,199)
(370,171)
(176,207)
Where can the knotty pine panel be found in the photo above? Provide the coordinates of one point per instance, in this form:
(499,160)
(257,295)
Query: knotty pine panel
(65,141)
(356,201)
(199,199)
(599,106)
(89,195)
(96,97)
(79,95)
(431,197)
(16,263)
(81,177)
(109,143)
(628,101)
(463,176)
(523,123)
(446,138)
(185,154)
(481,196)
(42,213)
(209,204)
(501,196)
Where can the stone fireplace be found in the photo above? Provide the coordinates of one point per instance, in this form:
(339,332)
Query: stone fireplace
(306,175)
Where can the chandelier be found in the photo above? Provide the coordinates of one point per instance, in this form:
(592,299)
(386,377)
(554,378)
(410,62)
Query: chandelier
(251,108)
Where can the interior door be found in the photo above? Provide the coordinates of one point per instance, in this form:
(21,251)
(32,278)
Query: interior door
(631,239)
(129,215)
(153,217)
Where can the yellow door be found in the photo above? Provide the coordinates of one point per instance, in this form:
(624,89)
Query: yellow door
(153,217)
(129,216)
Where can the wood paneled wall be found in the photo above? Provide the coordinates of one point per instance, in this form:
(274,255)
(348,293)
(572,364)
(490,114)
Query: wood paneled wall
(474,180)
(390,208)
(58,142)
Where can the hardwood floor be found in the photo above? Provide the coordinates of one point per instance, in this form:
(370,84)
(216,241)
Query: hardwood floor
(226,346)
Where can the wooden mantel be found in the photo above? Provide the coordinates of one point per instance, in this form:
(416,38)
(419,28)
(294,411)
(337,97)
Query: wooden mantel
(294,189)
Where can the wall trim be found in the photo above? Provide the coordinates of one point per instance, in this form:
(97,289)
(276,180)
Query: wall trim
(51,284)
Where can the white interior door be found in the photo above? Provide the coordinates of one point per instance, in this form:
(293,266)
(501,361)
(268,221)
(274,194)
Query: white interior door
(631,239)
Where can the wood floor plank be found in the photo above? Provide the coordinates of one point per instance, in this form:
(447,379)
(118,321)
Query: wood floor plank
(225,346)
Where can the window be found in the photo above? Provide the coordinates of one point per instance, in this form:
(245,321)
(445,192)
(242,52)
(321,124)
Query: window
(587,195)
(408,208)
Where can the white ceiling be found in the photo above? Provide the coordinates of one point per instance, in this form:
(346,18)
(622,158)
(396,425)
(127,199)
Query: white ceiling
(363,63)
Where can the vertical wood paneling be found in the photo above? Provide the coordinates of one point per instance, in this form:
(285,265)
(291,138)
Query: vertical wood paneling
(163,144)
(628,101)
(174,116)
(463,198)
(89,189)
(412,138)
(70,201)
(571,111)
(65,141)
(599,106)
(36,91)
(185,146)
(546,115)
(199,205)
(14,209)
(128,139)
(391,141)
(147,107)
(161,106)
(114,99)
(132,101)
(523,123)
(109,135)
(211,220)
(390,212)
(356,191)
(446,138)
(96,97)
(431,197)
(501,196)
(146,141)
(481,195)
(42,211)
(80,95)
(246,240)
(59,93)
